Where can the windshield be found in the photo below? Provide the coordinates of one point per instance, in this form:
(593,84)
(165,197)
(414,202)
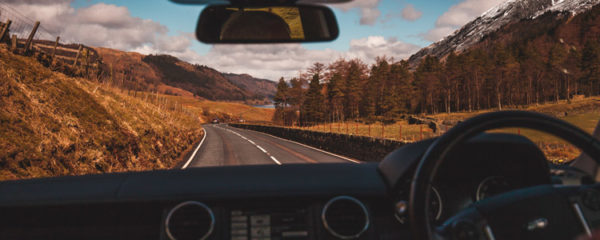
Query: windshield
(101,86)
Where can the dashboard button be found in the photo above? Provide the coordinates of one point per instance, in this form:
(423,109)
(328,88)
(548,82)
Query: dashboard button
(260,232)
(294,234)
(260,220)
(239,219)
(239,232)
(239,225)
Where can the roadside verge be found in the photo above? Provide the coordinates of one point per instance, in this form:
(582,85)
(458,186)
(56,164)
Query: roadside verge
(357,147)
(190,153)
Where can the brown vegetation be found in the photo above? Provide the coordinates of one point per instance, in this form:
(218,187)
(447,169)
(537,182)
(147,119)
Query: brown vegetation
(162,73)
(52,125)
(532,62)
(261,87)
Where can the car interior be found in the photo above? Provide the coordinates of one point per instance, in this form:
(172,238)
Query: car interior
(469,183)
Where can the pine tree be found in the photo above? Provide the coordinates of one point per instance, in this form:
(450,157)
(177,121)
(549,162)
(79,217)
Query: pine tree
(318,69)
(281,96)
(590,66)
(335,95)
(449,79)
(427,80)
(401,78)
(281,102)
(354,84)
(312,110)
(556,58)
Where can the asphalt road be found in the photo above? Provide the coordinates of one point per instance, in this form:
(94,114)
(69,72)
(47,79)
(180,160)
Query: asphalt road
(225,146)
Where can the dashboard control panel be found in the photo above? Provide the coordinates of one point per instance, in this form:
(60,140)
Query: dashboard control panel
(269,223)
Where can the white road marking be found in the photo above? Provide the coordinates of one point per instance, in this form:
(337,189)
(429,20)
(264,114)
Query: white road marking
(253,143)
(313,148)
(262,149)
(275,160)
(195,151)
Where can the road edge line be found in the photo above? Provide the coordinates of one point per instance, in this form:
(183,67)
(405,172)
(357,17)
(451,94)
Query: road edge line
(311,147)
(195,151)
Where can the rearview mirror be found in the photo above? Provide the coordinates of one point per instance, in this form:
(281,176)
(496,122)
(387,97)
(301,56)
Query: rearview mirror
(266,24)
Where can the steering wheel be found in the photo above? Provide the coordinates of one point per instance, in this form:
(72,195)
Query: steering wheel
(540,212)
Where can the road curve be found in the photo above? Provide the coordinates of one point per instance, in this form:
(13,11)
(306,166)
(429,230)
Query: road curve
(226,146)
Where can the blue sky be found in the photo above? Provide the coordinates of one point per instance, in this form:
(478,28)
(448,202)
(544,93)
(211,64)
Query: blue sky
(182,18)
(368,29)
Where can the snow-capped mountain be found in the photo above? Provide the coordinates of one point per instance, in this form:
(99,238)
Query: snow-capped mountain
(508,12)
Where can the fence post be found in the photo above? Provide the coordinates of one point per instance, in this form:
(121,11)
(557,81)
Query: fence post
(14,43)
(5,29)
(421,131)
(55,45)
(28,44)
(77,56)
(400,132)
(369,129)
(382,130)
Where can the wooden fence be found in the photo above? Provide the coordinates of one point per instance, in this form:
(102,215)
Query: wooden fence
(77,57)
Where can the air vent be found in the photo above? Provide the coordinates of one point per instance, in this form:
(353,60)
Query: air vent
(345,217)
(190,220)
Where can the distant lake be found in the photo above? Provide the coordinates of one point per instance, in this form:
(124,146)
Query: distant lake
(265,106)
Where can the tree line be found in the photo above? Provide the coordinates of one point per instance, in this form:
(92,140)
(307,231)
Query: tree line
(496,77)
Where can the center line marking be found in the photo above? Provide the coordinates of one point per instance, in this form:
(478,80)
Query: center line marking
(253,143)
(275,160)
(262,149)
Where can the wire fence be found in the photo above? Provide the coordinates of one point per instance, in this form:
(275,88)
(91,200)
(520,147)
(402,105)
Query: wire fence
(27,36)
(22,25)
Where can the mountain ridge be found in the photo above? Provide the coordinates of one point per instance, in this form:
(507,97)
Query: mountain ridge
(509,12)
(170,75)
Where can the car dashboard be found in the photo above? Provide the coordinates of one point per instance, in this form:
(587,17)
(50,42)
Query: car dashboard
(304,201)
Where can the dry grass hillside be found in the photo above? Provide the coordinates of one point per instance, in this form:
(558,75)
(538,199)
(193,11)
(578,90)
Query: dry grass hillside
(53,125)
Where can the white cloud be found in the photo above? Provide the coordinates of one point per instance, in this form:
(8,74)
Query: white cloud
(275,61)
(410,13)
(367,49)
(368,10)
(112,26)
(103,25)
(457,16)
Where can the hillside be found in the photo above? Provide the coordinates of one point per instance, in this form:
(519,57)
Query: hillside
(169,75)
(544,31)
(55,125)
(507,14)
(261,87)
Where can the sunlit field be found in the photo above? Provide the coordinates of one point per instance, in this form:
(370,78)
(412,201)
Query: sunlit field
(582,113)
